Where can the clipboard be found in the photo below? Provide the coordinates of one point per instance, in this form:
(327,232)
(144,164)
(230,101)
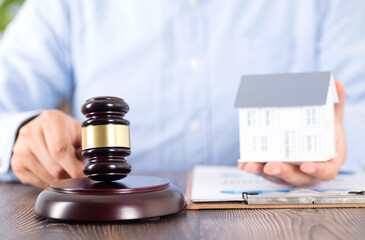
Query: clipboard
(292,199)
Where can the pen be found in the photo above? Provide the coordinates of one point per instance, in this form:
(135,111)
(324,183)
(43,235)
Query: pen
(342,172)
(277,191)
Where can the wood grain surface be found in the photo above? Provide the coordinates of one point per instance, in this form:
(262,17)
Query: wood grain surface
(17,221)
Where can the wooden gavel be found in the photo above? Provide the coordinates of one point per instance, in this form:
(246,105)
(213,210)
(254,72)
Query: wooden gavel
(105,138)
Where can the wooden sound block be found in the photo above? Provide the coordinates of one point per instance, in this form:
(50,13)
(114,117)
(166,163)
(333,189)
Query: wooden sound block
(134,197)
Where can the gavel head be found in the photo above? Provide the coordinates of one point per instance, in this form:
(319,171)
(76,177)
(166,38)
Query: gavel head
(105,138)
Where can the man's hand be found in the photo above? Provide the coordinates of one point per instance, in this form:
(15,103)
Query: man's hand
(307,172)
(48,148)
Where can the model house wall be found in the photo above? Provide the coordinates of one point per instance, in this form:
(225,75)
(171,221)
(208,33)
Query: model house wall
(288,133)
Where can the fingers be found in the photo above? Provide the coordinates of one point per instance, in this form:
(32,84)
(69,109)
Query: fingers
(339,107)
(25,172)
(279,172)
(78,152)
(34,166)
(255,168)
(38,148)
(29,178)
(288,173)
(241,165)
(76,135)
(60,142)
(258,169)
(324,171)
(341,147)
(342,97)
(45,149)
(77,143)
(305,174)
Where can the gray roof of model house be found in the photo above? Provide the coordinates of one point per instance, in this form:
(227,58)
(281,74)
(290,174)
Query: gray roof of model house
(283,90)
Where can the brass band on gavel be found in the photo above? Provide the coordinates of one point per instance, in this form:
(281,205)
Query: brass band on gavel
(110,135)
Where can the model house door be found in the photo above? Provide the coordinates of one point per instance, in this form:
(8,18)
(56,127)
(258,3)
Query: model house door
(289,144)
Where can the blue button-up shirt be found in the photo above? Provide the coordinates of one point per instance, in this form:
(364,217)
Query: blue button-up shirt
(178,65)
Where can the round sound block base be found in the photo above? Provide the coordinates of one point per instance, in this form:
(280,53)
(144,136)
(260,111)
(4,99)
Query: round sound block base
(134,197)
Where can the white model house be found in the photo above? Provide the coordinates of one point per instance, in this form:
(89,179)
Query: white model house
(287,117)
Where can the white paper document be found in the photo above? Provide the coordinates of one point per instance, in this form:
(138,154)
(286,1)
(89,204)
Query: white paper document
(226,183)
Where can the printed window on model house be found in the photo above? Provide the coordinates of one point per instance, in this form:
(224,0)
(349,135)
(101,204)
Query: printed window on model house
(311,117)
(289,142)
(260,144)
(269,117)
(312,144)
(251,118)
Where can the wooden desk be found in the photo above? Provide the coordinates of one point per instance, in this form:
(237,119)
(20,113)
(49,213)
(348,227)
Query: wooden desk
(17,221)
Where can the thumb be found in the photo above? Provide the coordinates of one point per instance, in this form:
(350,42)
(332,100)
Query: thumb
(342,97)
(76,136)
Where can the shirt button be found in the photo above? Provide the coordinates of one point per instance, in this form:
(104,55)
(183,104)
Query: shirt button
(192,3)
(195,126)
(193,63)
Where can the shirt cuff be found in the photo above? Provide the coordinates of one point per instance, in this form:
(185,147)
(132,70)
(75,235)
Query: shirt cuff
(9,176)
(9,125)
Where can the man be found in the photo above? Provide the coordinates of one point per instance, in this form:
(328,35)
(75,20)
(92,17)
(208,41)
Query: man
(177,64)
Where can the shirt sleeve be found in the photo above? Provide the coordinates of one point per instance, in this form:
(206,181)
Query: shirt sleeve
(35,69)
(341,49)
